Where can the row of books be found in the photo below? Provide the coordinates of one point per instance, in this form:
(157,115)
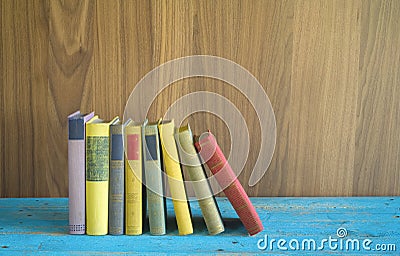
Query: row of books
(108,162)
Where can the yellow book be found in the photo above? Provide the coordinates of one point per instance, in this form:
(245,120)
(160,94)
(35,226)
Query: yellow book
(175,179)
(97,175)
(133,178)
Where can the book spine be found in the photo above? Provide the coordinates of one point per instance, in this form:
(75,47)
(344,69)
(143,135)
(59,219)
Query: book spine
(227,179)
(76,172)
(117,177)
(201,187)
(154,184)
(97,175)
(133,181)
(76,177)
(175,179)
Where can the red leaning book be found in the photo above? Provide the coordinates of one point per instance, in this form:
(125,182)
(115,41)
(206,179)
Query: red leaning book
(211,153)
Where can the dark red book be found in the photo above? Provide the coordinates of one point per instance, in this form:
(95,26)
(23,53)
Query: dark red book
(211,153)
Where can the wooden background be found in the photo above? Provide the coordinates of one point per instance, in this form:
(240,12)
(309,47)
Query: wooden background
(330,68)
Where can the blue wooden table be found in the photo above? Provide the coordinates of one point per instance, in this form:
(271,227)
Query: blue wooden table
(296,226)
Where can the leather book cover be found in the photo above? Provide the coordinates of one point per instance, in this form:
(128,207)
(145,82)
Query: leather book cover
(208,149)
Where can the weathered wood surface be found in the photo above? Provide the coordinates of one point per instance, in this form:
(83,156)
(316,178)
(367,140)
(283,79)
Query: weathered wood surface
(39,226)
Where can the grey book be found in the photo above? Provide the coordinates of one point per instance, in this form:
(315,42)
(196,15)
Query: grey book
(117,177)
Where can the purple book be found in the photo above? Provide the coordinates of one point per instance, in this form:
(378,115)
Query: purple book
(76,171)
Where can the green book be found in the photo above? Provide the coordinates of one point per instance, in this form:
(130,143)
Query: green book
(191,162)
(153,176)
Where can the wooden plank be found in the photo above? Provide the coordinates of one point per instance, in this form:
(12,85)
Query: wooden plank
(265,31)
(2,190)
(330,69)
(69,56)
(106,64)
(39,226)
(138,45)
(46,145)
(17,99)
(378,109)
(322,128)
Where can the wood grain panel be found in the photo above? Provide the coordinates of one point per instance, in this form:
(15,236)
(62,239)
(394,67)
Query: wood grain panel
(70,54)
(106,64)
(377,156)
(330,69)
(46,145)
(324,89)
(2,113)
(18,134)
(2,192)
(139,48)
(71,49)
(266,31)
